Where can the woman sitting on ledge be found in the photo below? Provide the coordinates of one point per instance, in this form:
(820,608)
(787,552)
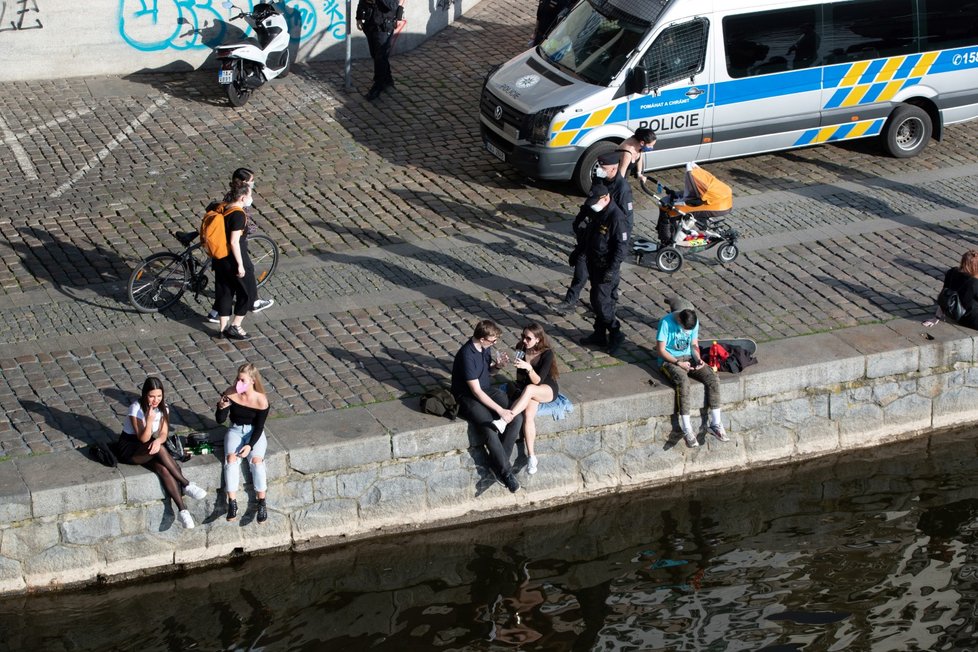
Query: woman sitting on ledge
(144,431)
(960,282)
(536,383)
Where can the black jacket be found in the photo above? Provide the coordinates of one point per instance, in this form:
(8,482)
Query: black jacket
(379,15)
(606,238)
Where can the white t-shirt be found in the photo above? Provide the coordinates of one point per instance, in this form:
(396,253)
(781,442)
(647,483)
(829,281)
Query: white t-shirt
(136,410)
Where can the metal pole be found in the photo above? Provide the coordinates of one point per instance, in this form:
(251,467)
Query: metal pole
(349,45)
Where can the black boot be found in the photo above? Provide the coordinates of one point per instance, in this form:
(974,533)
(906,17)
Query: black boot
(597,338)
(262,511)
(615,340)
(232,509)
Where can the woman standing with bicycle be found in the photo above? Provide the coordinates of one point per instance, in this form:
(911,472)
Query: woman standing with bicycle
(235,287)
(242,177)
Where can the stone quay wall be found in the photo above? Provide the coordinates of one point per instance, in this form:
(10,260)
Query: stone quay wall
(367,471)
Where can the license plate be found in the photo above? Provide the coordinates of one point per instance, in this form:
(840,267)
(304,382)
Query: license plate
(495,151)
(225,77)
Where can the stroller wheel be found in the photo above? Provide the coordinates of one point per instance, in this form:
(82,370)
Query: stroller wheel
(669,260)
(727,252)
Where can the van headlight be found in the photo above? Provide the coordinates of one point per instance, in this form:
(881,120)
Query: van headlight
(539,124)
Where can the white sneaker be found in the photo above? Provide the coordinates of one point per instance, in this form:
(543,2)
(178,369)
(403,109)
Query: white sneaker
(690,438)
(500,425)
(186,520)
(262,304)
(213,317)
(716,429)
(194,491)
(531,465)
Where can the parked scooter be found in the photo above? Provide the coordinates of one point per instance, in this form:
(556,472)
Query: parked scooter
(245,67)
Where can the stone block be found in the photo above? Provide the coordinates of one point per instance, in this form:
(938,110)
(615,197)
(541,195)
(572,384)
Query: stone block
(615,438)
(11,576)
(393,501)
(413,433)
(657,461)
(450,488)
(578,445)
(643,432)
(292,494)
(818,437)
(67,481)
(427,467)
(28,539)
(326,518)
(887,354)
(15,497)
(558,475)
(135,553)
(956,406)
(774,443)
(950,344)
(141,485)
(89,530)
(61,566)
(325,487)
(786,368)
(605,396)
(355,485)
(909,413)
(244,534)
(347,439)
(600,471)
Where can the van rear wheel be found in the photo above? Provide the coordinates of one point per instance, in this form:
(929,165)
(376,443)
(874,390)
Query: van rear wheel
(907,131)
(588,162)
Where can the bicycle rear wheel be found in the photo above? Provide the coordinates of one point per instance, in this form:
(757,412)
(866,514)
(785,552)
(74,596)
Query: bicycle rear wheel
(158,282)
(264,256)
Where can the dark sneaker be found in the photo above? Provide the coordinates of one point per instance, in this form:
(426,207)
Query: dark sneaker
(511,482)
(232,510)
(262,512)
(595,339)
(615,340)
(213,317)
(716,429)
(235,333)
(690,438)
(374,92)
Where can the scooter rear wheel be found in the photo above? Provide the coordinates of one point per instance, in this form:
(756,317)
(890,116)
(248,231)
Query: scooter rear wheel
(237,97)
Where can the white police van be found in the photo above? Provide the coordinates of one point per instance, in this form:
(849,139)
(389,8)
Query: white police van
(720,79)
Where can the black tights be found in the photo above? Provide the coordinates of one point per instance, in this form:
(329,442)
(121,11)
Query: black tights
(163,465)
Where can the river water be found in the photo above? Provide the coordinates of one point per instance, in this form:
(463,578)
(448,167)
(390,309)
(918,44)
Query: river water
(873,550)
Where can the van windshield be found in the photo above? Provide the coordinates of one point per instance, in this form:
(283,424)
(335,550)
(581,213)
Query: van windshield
(591,45)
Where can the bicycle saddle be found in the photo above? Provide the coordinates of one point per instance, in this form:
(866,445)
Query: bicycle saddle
(185,238)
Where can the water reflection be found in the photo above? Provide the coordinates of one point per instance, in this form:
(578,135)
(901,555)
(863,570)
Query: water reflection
(871,551)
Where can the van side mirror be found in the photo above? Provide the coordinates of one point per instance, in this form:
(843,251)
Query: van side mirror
(638,81)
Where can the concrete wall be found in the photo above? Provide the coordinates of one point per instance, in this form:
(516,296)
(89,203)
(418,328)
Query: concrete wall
(365,471)
(51,39)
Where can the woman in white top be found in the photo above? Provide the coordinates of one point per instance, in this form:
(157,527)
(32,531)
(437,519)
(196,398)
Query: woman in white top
(144,432)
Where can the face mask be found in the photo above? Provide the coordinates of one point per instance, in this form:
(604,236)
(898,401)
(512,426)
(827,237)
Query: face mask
(241,387)
(600,173)
(248,201)
(647,148)
(597,208)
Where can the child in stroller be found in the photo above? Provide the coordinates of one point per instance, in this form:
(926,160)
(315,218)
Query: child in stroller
(688,222)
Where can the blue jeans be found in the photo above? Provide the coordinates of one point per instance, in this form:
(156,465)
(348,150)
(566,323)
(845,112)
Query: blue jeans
(234,440)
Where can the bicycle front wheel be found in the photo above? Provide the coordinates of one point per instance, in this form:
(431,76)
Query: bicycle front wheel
(264,256)
(158,282)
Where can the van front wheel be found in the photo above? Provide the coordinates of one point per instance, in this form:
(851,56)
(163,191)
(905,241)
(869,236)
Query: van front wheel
(907,131)
(585,167)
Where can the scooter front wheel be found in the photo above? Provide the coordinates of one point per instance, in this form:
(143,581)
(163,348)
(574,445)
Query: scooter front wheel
(237,97)
(668,260)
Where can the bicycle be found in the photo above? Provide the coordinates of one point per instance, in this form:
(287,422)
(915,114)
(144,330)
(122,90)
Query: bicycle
(161,279)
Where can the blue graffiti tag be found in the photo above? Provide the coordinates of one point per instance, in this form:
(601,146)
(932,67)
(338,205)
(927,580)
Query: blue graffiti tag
(150,25)
(337,21)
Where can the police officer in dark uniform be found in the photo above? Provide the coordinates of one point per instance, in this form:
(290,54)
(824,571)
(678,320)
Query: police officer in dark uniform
(377,19)
(605,247)
(621,194)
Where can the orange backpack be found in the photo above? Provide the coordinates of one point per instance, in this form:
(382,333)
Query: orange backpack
(213,236)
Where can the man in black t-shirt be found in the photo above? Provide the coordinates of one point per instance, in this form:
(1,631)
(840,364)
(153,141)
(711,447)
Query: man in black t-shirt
(480,403)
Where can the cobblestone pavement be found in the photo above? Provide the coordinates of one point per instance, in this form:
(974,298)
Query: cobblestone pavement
(397,234)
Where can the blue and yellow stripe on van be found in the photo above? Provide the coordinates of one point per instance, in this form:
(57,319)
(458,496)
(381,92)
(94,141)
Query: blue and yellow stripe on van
(857,129)
(879,80)
(570,131)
